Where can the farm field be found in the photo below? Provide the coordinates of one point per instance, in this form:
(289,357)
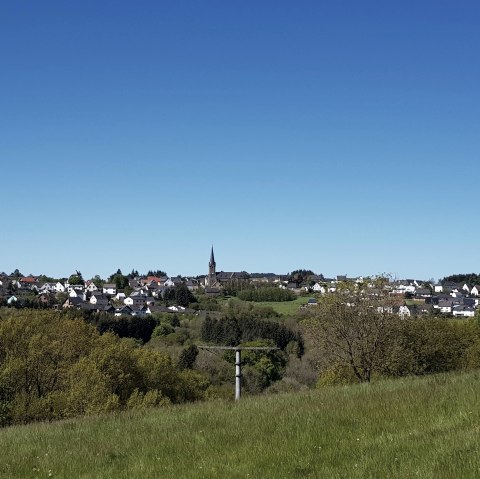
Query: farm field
(416,427)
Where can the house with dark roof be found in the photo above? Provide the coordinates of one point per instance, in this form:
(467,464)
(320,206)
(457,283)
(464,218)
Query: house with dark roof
(98,299)
(73,303)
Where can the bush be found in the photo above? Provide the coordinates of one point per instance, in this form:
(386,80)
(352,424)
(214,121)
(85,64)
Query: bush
(163,329)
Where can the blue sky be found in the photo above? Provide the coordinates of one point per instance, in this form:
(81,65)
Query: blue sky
(337,136)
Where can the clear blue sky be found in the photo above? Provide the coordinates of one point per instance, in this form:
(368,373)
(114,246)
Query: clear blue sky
(339,136)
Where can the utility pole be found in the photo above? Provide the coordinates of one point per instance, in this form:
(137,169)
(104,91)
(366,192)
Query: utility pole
(238,361)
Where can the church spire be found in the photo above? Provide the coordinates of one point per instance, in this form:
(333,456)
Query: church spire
(212,258)
(211,279)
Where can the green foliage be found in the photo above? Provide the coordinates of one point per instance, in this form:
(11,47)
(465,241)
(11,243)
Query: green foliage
(153,398)
(232,331)
(76,279)
(53,367)
(157,272)
(16,274)
(260,367)
(120,281)
(469,278)
(300,276)
(359,331)
(234,286)
(163,329)
(206,304)
(336,375)
(137,327)
(187,357)
(266,294)
(352,327)
(97,281)
(46,279)
(238,310)
(183,296)
(426,346)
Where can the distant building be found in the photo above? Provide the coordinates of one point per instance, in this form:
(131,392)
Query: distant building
(211,278)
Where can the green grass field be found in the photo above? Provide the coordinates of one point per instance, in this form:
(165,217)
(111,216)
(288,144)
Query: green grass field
(427,428)
(285,307)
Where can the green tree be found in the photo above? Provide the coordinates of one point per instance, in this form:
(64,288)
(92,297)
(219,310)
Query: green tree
(352,327)
(16,274)
(183,296)
(187,357)
(98,281)
(76,279)
(120,281)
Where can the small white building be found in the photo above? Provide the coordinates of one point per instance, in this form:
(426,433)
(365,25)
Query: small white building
(110,289)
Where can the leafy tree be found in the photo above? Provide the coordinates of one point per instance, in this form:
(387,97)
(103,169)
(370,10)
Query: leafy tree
(61,297)
(98,281)
(352,327)
(16,274)
(300,276)
(158,273)
(183,296)
(232,331)
(134,274)
(120,281)
(469,278)
(137,327)
(187,357)
(46,279)
(76,279)
(163,329)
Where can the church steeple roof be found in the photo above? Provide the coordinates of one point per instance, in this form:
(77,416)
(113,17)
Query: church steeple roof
(212,257)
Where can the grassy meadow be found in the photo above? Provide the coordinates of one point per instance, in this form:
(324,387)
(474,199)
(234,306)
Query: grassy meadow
(287,308)
(405,428)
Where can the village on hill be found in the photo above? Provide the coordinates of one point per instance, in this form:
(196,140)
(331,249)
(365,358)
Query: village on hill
(156,292)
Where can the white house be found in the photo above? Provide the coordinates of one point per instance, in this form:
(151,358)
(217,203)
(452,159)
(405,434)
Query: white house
(120,296)
(475,291)
(59,287)
(12,299)
(136,300)
(445,306)
(464,311)
(47,288)
(404,311)
(91,287)
(99,299)
(176,308)
(402,288)
(110,289)
(75,293)
(318,288)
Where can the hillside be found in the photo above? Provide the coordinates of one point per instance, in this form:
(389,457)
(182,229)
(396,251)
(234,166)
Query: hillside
(404,428)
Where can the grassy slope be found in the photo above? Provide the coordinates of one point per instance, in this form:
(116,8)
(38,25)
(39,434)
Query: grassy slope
(425,428)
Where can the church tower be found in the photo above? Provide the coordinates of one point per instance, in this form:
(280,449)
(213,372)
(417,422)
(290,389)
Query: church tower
(211,279)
